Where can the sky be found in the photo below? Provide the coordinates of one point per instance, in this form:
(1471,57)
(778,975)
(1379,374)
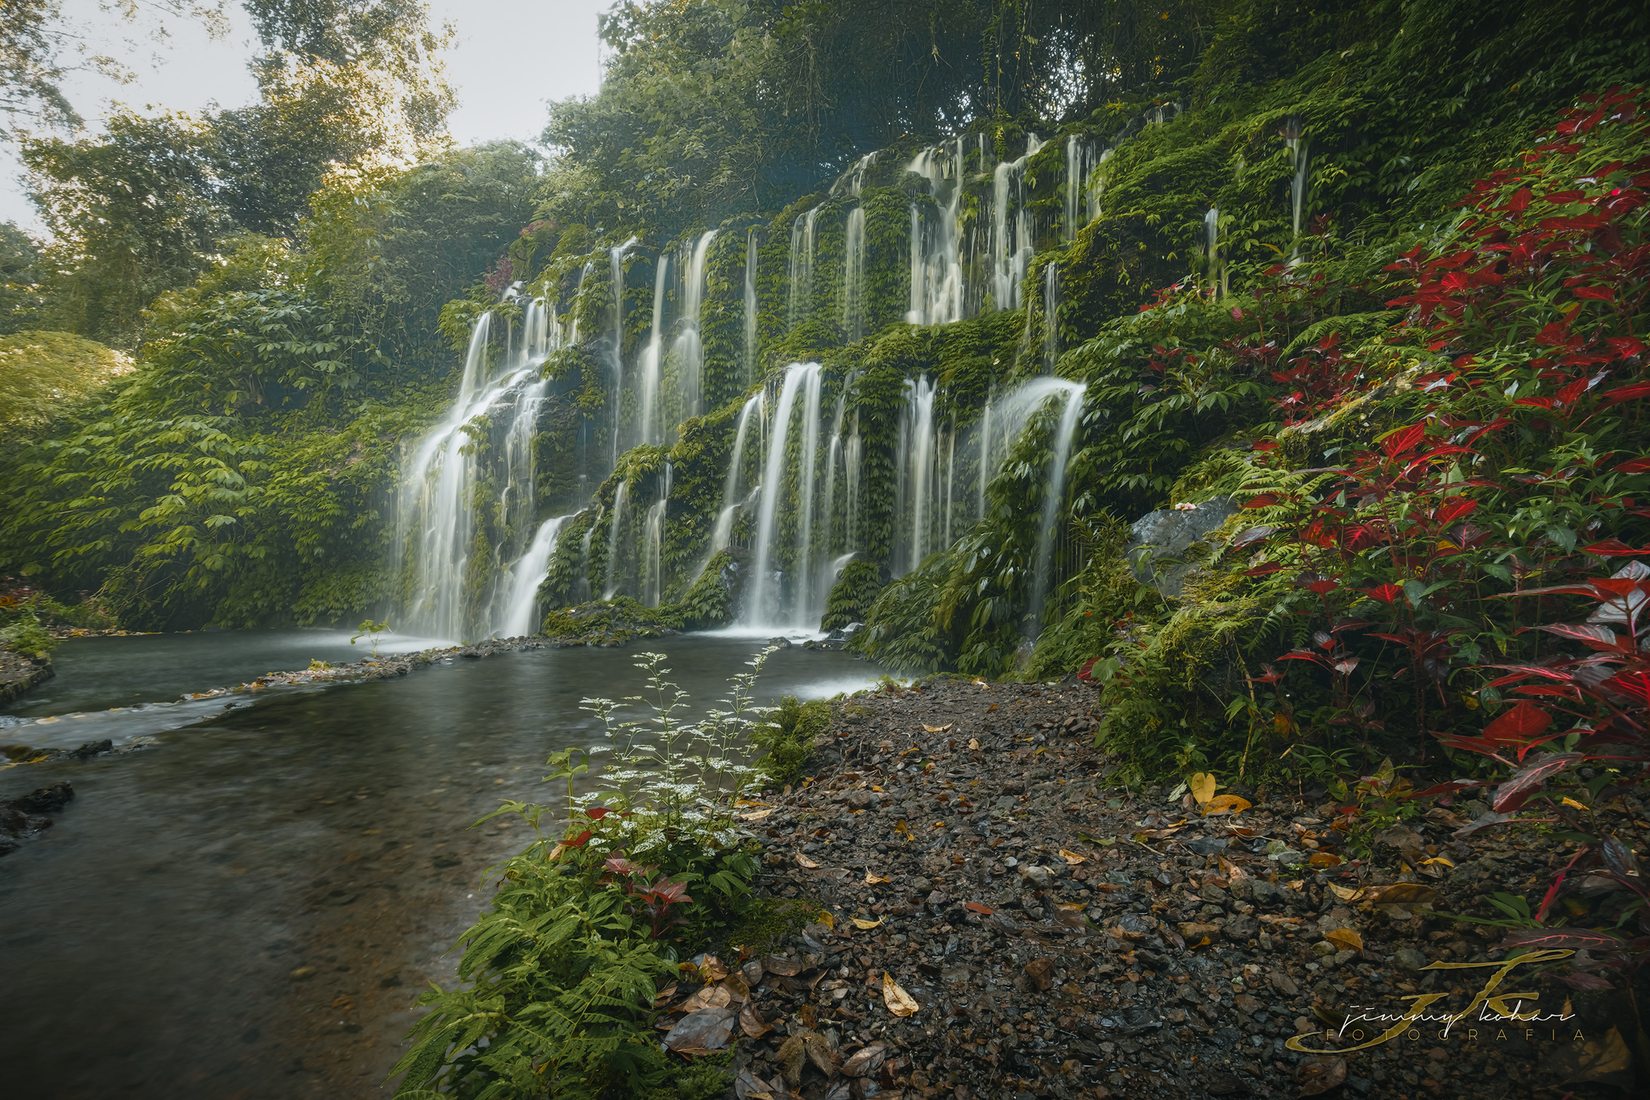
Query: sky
(509,58)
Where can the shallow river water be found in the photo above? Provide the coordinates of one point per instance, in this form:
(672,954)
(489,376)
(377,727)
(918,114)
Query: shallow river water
(249,905)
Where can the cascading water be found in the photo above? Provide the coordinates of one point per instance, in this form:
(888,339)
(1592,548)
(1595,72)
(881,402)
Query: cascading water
(764,602)
(522,586)
(1051,317)
(473,473)
(653,541)
(937,281)
(688,352)
(616,257)
(722,536)
(801,273)
(1082,197)
(749,351)
(1012,233)
(653,362)
(853,275)
(1054,492)
(914,485)
(615,530)
(1300,153)
(1214,261)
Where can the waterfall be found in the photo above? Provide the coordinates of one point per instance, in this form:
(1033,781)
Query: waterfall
(1011,242)
(914,486)
(520,612)
(688,350)
(472,476)
(1053,498)
(750,306)
(801,302)
(1082,197)
(722,536)
(937,281)
(852,181)
(804,597)
(763,603)
(852,452)
(853,275)
(984,458)
(653,360)
(616,349)
(1211,254)
(653,541)
(615,527)
(1299,153)
(1051,316)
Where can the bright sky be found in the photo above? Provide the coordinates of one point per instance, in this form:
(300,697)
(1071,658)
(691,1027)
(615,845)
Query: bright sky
(509,58)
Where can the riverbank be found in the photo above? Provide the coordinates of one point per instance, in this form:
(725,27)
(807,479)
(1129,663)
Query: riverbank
(20,674)
(1047,933)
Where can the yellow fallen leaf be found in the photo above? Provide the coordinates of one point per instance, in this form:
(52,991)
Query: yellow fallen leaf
(1438,861)
(1573,804)
(756,815)
(1345,893)
(1202,786)
(938,729)
(827,918)
(899,1002)
(1072,857)
(806,862)
(865,925)
(1345,939)
(1069,906)
(1226,804)
(1324,859)
(872,880)
(974,744)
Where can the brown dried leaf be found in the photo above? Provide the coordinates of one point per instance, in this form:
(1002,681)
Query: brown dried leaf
(1345,938)
(1072,858)
(804,861)
(899,1002)
(938,729)
(701,1032)
(1324,859)
(1226,804)
(866,925)
(751,1022)
(866,1061)
(977,907)
(873,880)
(711,996)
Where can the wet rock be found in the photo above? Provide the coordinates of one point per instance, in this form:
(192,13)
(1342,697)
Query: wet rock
(1159,542)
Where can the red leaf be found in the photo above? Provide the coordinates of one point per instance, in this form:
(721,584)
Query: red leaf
(1635,684)
(1512,794)
(1599,293)
(1520,721)
(1404,439)
(1454,509)
(1615,548)
(1386,593)
(1265,500)
(1588,634)
(1634,466)
(579,841)
(1628,393)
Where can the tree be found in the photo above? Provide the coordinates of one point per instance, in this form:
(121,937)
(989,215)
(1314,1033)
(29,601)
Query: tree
(19,279)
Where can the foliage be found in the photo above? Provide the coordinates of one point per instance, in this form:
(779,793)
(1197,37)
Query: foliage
(787,738)
(26,636)
(593,917)
(44,374)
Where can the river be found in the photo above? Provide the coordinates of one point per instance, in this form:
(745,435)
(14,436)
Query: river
(248,904)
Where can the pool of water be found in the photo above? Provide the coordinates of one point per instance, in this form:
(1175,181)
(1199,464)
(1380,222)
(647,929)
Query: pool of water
(249,906)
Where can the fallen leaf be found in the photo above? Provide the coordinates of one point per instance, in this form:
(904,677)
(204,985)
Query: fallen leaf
(1572,803)
(872,880)
(938,729)
(811,865)
(976,907)
(1202,786)
(1324,859)
(751,1022)
(865,925)
(711,996)
(899,1002)
(866,1062)
(1072,857)
(756,815)
(701,1032)
(827,918)
(710,968)
(1345,893)
(1226,804)
(974,744)
(1070,906)
(1345,938)
(1438,861)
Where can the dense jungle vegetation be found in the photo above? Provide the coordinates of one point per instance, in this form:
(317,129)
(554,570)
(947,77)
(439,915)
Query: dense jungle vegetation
(1416,400)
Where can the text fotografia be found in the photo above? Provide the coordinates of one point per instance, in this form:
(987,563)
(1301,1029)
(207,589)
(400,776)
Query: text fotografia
(1503,1012)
